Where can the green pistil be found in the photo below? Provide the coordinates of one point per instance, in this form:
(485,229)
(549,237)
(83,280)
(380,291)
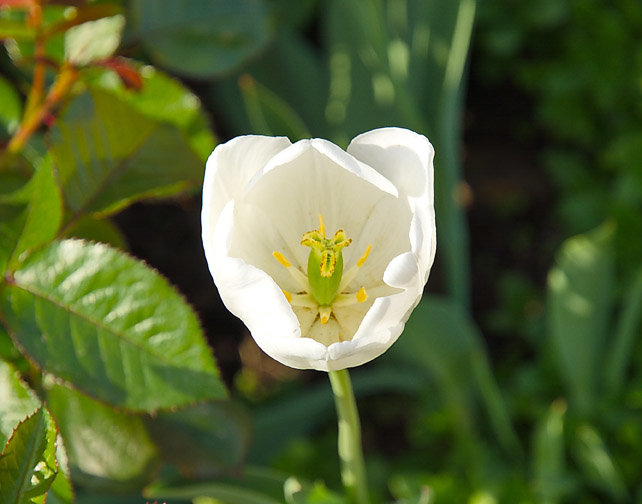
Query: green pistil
(325,263)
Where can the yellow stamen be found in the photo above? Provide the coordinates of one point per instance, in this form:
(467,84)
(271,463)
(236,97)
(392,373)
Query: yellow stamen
(288,296)
(362,295)
(300,278)
(350,274)
(282,259)
(324,314)
(321,226)
(363,258)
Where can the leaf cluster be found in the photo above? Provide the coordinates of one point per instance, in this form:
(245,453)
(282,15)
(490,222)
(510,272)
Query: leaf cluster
(106,376)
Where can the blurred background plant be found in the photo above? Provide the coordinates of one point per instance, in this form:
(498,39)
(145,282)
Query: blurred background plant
(519,376)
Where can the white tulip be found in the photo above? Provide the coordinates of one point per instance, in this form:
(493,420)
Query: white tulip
(322,253)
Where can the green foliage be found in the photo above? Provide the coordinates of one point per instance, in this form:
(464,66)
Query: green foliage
(10,109)
(298,493)
(205,440)
(585,80)
(108,155)
(202,39)
(18,401)
(441,340)
(114,451)
(164,100)
(580,298)
(94,331)
(110,326)
(624,337)
(253,485)
(23,227)
(93,40)
(550,479)
(598,464)
(27,463)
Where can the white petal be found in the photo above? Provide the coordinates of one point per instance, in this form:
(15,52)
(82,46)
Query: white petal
(229,169)
(310,178)
(406,159)
(402,156)
(385,320)
(254,297)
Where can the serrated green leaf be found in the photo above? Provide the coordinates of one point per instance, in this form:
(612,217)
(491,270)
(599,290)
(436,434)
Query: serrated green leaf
(44,211)
(31,215)
(200,38)
(109,155)
(579,301)
(93,40)
(107,450)
(111,326)
(61,491)
(27,463)
(17,401)
(205,440)
(164,99)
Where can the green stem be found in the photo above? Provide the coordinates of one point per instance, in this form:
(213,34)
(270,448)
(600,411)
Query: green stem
(353,469)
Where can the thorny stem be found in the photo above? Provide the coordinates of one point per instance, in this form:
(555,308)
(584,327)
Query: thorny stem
(64,81)
(38,86)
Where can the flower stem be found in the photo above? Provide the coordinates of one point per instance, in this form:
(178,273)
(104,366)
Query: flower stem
(353,469)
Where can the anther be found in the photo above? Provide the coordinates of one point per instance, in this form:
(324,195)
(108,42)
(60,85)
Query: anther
(324,314)
(363,258)
(349,276)
(321,226)
(300,278)
(282,259)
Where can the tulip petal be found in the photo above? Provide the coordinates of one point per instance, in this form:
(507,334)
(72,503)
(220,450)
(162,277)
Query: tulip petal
(231,167)
(306,180)
(385,320)
(261,194)
(402,156)
(254,297)
(406,159)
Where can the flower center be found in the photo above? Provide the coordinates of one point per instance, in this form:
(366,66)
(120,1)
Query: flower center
(325,262)
(324,286)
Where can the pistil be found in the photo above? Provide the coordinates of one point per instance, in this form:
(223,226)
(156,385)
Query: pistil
(324,287)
